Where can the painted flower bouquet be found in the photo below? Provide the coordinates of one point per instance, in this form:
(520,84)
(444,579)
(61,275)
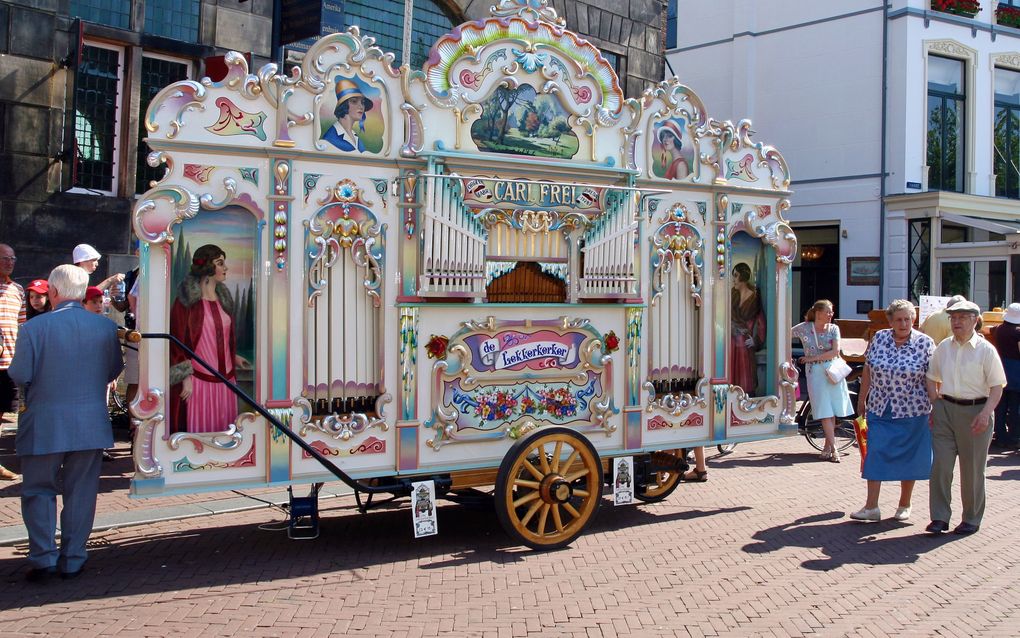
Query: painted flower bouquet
(495,406)
(559,402)
(1008,16)
(968,8)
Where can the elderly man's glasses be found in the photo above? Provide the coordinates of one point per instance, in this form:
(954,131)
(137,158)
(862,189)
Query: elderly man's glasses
(10,259)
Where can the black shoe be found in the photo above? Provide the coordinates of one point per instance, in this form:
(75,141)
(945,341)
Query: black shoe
(74,574)
(965,529)
(937,527)
(40,574)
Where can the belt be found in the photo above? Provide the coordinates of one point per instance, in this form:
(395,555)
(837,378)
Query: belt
(964,401)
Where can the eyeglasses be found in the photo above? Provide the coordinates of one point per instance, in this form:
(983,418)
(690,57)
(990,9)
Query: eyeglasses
(10,259)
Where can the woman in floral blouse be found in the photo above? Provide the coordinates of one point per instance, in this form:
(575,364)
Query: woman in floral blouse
(896,402)
(820,338)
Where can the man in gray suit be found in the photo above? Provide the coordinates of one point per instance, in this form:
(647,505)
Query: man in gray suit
(63,360)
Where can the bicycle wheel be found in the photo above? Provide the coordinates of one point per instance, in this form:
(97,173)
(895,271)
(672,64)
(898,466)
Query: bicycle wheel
(725,448)
(845,436)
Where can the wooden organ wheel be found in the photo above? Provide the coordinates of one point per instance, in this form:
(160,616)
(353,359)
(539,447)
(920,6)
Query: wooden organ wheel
(548,487)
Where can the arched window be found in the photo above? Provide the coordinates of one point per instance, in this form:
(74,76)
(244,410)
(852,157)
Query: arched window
(384,20)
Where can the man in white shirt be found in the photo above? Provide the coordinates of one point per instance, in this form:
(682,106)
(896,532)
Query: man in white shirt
(965,382)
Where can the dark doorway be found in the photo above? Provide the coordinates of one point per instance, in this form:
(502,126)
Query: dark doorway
(816,270)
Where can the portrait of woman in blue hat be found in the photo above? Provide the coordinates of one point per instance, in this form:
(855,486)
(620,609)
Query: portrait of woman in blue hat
(351,108)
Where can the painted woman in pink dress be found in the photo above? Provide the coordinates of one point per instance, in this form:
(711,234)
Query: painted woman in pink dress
(747,320)
(202,318)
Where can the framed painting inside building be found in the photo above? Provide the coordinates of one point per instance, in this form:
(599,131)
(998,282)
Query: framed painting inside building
(862,271)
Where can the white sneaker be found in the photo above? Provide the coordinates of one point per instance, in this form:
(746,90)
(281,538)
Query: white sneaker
(864,514)
(902,513)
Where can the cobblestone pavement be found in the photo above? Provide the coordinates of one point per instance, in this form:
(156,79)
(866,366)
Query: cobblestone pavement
(763,548)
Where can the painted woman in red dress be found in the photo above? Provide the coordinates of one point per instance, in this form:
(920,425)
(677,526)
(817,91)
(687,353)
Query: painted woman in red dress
(747,320)
(201,317)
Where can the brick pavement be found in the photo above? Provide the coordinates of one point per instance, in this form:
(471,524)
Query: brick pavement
(764,548)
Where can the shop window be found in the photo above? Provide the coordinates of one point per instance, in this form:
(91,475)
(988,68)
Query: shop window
(384,20)
(157,72)
(96,121)
(113,13)
(1007,133)
(175,19)
(984,282)
(960,234)
(946,131)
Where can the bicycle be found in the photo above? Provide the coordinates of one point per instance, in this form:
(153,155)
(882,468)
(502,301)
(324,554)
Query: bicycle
(811,428)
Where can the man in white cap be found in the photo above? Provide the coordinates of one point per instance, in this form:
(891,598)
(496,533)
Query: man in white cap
(965,382)
(87,258)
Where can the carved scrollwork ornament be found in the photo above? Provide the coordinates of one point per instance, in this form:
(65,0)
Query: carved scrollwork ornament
(228,439)
(185,205)
(677,405)
(148,411)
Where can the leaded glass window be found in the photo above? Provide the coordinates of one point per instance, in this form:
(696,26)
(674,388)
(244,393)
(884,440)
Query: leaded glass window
(175,19)
(96,94)
(671,25)
(114,13)
(156,74)
(384,20)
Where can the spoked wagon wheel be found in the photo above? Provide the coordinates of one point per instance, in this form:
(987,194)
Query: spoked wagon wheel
(548,487)
(663,482)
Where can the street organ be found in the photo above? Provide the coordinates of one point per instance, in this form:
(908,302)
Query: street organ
(495,270)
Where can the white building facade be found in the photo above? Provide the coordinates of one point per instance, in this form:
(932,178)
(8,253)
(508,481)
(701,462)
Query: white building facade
(857,90)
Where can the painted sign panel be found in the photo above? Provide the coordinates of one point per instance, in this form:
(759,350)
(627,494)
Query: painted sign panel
(521,375)
(492,192)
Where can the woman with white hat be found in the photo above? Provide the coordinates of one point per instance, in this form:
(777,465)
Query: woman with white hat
(1006,338)
(87,258)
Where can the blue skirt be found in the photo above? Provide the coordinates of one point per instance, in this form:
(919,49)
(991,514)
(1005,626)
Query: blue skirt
(898,449)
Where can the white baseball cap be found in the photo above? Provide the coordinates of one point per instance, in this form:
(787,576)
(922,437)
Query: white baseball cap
(84,252)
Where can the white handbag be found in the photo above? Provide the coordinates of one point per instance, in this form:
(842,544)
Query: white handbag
(838,369)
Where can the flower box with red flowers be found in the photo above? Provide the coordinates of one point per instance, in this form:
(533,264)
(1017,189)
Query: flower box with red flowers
(1008,16)
(967,8)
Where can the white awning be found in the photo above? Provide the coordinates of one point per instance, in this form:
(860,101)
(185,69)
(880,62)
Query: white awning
(1002,227)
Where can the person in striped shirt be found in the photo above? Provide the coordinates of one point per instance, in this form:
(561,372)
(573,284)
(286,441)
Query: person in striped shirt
(12,315)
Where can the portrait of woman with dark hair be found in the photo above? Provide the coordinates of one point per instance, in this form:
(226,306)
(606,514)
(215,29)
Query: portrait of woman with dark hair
(747,322)
(202,317)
